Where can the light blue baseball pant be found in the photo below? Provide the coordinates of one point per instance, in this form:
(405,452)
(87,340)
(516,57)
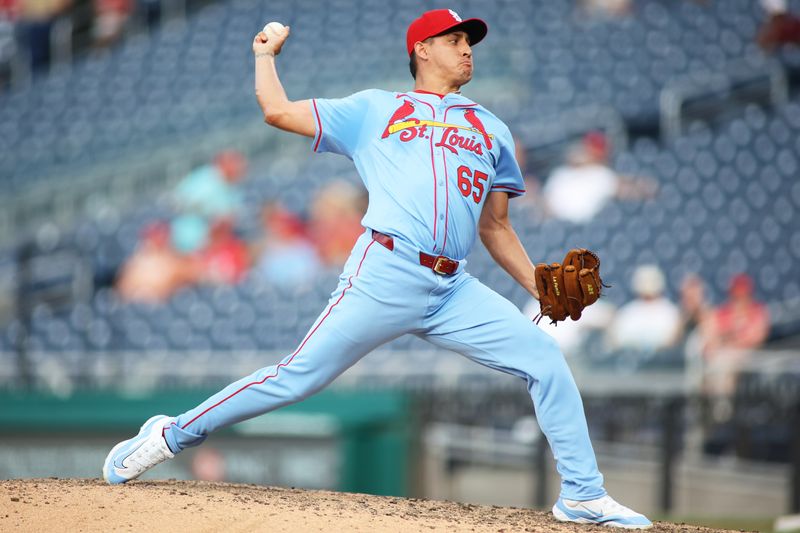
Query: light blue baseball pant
(384,294)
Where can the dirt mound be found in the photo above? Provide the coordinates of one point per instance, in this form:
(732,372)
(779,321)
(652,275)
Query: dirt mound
(173,506)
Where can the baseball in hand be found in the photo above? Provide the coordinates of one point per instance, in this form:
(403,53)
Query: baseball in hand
(273,29)
(270,39)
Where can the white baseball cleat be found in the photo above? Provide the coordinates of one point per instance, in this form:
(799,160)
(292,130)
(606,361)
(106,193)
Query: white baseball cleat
(131,458)
(602,511)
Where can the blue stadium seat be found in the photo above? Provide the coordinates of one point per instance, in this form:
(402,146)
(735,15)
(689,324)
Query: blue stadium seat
(201,62)
(728,194)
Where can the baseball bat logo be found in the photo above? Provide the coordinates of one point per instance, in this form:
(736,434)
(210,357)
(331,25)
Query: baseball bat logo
(453,137)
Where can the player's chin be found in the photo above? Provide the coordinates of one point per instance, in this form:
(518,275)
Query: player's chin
(465,75)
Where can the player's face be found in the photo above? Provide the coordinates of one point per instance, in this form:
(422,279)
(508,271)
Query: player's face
(451,56)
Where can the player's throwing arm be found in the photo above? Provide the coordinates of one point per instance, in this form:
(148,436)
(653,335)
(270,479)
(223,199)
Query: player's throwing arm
(278,110)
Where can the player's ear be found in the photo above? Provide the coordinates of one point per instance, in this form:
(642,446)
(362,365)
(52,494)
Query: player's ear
(421,49)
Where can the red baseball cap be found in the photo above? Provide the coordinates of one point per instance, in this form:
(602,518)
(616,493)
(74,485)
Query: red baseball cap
(438,21)
(741,284)
(597,143)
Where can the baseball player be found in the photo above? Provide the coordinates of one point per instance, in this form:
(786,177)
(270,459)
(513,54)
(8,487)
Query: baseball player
(440,170)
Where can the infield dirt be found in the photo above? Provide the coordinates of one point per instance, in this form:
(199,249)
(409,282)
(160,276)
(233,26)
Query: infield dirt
(70,505)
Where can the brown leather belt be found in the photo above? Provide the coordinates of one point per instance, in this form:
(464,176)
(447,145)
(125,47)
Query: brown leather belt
(438,263)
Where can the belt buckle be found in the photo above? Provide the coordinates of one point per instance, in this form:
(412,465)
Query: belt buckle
(437,265)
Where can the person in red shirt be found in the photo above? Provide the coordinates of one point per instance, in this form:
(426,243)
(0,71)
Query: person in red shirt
(110,19)
(780,27)
(741,322)
(735,328)
(226,258)
(9,9)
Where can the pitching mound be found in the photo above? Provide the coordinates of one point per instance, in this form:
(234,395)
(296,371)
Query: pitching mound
(173,506)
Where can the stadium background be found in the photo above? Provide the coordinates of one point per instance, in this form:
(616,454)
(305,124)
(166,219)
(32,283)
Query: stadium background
(92,146)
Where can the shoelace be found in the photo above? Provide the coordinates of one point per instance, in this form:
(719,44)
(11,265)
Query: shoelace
(149,455)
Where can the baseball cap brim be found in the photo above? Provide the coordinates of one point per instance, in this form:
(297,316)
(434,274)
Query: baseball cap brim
(476,29)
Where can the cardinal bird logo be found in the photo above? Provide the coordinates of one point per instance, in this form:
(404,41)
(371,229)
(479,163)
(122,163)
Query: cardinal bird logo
(402,112)
(476,123)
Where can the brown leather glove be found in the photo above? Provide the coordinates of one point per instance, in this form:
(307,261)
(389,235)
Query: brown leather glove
(566,288)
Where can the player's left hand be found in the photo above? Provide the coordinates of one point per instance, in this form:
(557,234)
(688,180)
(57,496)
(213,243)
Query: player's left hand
(566,288)
(535,291)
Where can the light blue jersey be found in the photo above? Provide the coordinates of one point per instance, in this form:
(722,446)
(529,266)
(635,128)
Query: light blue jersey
(427,161)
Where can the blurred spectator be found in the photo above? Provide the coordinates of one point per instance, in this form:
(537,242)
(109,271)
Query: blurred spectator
(650,322)
(533,194)
(286,256)
(781,27)
(694,307)
(110,18)
(226,258)
(9,9)
(735,329)
(189,232)
(578,190)
(741,322)
(695,317)
(8,47)
(155,271)
(205,195)
(335,222)
(36,20)
(208,464)
(573,337)
(612,8)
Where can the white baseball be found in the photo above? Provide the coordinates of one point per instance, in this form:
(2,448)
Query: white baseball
(273,29)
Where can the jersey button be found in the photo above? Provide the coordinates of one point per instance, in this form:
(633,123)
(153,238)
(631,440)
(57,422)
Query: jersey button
(441,217)
(441,182)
